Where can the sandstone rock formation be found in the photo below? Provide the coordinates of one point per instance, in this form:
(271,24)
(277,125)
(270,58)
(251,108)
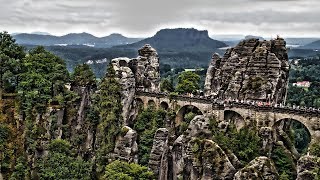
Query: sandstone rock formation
(141,73)
(195,157)
(84,132)
(128,85)
(126,147)
(253,70)
(267,140)
(146,69)
(158,162)
(259,168)
(306,167)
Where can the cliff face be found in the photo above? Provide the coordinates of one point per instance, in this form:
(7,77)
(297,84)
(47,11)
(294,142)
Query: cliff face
(141,73)
(253,70)
(199,158)
(146,69)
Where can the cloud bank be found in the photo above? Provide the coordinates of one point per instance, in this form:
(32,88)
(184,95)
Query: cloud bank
(144,17)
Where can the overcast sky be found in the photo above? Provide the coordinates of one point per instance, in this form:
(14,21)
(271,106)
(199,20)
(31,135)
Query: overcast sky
(142,18)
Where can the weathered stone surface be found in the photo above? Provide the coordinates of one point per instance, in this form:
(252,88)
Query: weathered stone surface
(236,163)
(253,70)
(267,139)
(128,85)
(141,73)
(158,162)
(259,168)
(199,126)
(126,147)
(146,69)
(84,92)
(306,167)
(284,137)
(216,164)
(195,157)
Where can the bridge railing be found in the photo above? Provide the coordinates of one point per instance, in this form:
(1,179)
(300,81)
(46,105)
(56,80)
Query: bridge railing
(222,104)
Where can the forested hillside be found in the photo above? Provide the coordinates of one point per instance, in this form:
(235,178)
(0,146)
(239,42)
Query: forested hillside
(305,70)
(44,122)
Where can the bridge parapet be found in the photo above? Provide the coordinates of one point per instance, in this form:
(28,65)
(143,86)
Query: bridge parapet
(221,104)
(263,114)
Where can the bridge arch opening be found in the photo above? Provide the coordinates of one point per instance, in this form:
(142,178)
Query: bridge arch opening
(164,105)
(151,104)
(186,114)
(234,118)
(293,132)
(139,104)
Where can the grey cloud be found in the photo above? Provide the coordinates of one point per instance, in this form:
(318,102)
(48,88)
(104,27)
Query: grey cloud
(144,17)
(265,16)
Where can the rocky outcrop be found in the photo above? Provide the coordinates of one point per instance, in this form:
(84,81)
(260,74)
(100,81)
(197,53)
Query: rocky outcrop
(267,140)
(199,127)
(196,157)
(306,167)
(283,137)
(126,147)
(141,73)
(158,162)
(259,168)
(83,133)
(146,69)
(128,85)
(253,70)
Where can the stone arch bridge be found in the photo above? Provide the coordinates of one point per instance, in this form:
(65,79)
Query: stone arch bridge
(265,116)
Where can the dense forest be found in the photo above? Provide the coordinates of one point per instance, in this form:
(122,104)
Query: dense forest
(307,69)
(33,143)
(60,125)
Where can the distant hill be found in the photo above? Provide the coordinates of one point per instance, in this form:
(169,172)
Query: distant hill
(313,45)
(74,39)
(179,40)
(300,41)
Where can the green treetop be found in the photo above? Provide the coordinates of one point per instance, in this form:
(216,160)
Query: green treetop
(125,171)
(108,103)
(188,82)
(43,77)
(166,85)
(61,164)
(10,57)
(83,76)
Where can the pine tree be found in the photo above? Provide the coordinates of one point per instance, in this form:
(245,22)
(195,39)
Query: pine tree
(108,104)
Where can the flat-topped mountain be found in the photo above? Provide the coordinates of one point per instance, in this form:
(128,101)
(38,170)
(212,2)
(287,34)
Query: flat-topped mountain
(179,40)
(74,39)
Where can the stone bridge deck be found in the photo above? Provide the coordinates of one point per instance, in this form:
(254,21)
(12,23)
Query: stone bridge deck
(221,104)
(262,114)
